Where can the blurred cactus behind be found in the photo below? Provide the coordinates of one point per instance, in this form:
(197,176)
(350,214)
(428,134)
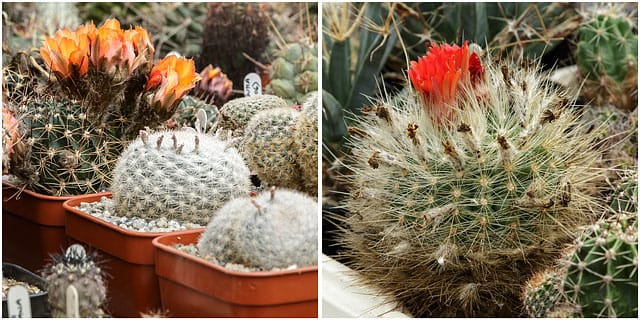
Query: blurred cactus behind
(294,73)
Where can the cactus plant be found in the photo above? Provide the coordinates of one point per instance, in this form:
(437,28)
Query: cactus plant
(294,72)
(177,174)
(76,268)
(235,114)
(230,30)
(452,210)
(543,296)
(270,149)
(275,229)
(607,56)
(186,114)
(305,135)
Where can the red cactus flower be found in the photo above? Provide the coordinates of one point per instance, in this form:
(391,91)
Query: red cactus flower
(441,73)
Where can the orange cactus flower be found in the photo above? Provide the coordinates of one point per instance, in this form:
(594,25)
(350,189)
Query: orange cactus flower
(142,46)
(171,79)
(439,74)
(115,49)
(215,87)
(67,54)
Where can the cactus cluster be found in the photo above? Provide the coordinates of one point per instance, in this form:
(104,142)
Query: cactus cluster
(235,114)
(294,72)
(305,135)
(181,175)
(76,268)
(275,229)
(607,56)
(453,210)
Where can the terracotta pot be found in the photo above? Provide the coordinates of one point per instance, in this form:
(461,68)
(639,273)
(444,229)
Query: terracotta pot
(193,287)
(127,256)
(32,227)
(38,301)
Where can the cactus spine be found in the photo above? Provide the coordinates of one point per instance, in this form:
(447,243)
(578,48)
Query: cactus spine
(178,175)
(275,229)
(76,268)
(452,217)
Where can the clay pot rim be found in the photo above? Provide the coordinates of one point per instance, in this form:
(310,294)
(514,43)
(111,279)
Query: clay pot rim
(70,204)
(157,242)
(8,185)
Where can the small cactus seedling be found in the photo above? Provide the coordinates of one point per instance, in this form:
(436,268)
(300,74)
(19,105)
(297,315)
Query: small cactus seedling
(468,186)
(275,229)
(76,268)
(178,174)
(235,114)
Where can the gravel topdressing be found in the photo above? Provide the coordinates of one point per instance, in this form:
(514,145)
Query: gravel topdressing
(8,283)
(104,210)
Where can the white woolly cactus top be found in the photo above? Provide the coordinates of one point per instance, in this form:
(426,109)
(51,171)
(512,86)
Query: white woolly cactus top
(178,174)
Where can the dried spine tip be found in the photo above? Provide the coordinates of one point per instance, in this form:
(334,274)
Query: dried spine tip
(454,157)
(565,187)
(373,160)
(356,132)
(548,116)
(144,136)
(505,75)
(505,152)
(175,141)
(179,149)
(272,190)
(159,142)
(469,139)
(197,144)
(255,204)
(411,131)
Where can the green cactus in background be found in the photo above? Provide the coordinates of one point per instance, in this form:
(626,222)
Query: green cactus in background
(275,229)
(65,153)
(270,149)
(294,72)
(450,216)
(543,296)
(305,135)
(180,175)
(235,114)
(185,115)
(607,56)
(76,268)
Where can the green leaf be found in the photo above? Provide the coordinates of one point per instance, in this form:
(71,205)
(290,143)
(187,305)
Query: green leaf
(339,76)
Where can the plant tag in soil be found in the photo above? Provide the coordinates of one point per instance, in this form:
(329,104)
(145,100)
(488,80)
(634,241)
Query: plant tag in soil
(73,309)
(252,85)
(18,303)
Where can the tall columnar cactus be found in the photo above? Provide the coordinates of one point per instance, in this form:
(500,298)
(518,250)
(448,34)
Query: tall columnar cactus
(76,268)
(270,149)
(179,175)
(607,56)
(235,114)
(275,229)
(467,187)
(231,30)
(294,72)
(305,135)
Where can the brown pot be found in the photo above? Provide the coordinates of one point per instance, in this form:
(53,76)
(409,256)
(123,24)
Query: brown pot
(127,256)
(193,287)
(32,227)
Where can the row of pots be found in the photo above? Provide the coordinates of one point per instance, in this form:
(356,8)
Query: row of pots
(146,272)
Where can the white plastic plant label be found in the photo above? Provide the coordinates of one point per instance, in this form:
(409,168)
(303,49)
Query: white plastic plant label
(252,85)
(18,303)
(73,308)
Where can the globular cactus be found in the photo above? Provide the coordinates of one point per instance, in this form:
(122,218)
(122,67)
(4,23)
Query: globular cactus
(463,190)
(177,175)
(275,229)
(607,56)
(231,30)
(305,135)
(64,153)
(599,276)
(270,149)
(235,114)
(186,114)
(294,72)
(76,268)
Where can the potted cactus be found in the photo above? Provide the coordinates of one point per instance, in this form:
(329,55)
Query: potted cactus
(181,175)
(101,93)
(272,234)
